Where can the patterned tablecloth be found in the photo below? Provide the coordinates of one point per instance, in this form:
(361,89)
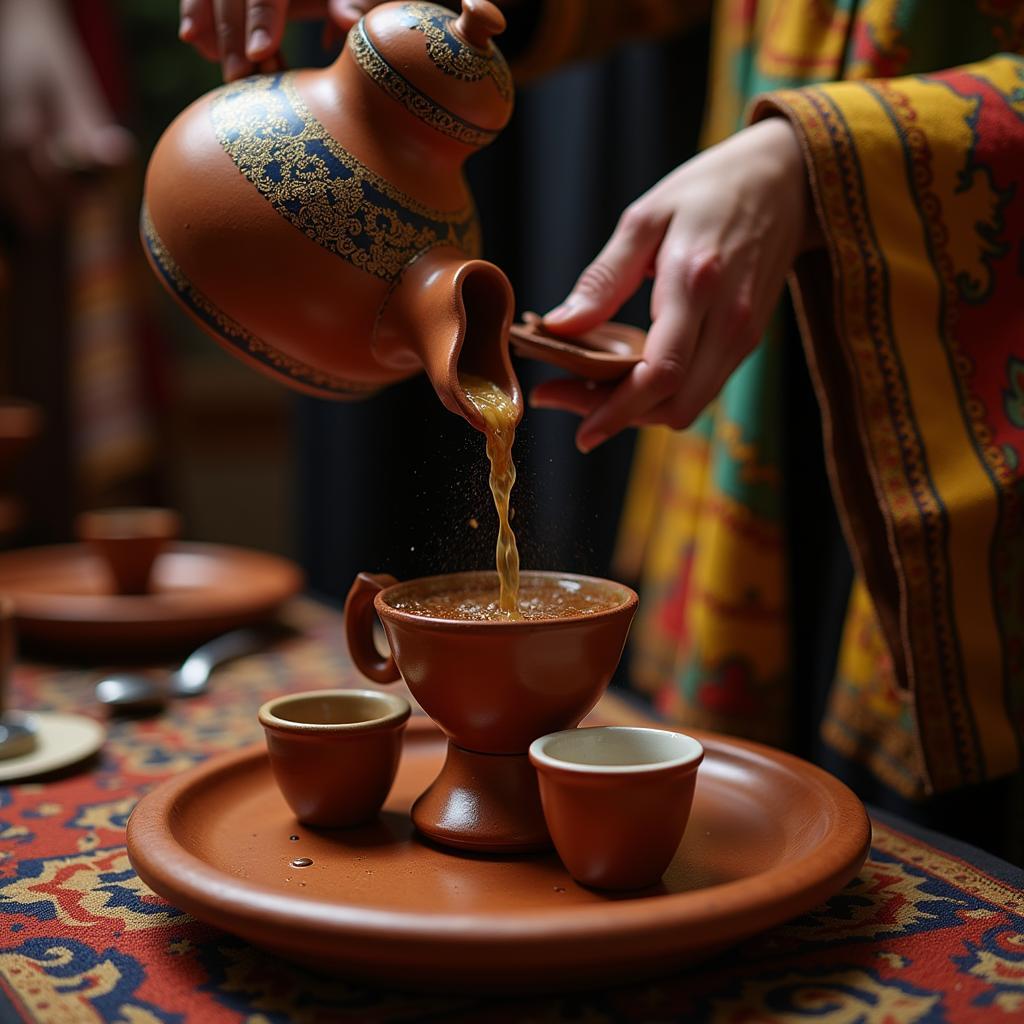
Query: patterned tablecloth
(929,931)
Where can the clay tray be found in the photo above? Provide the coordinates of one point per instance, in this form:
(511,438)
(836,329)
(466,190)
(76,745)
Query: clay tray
(62,596)
(770,837)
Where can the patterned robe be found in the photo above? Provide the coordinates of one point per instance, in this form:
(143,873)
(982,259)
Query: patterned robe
(911,117)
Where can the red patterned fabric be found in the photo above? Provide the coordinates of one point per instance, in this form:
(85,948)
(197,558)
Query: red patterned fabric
(920,935)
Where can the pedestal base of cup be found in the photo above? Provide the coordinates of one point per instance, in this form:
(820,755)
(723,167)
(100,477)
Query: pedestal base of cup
(487,803)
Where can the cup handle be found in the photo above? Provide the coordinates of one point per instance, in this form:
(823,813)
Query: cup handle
(359,618)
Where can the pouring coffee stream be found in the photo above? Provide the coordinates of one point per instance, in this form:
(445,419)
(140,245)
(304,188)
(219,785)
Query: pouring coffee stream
(500,417)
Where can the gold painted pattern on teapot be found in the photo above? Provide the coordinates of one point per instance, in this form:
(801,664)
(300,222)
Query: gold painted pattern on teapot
(416,102)
(232,332)
(451,54)
(321,188)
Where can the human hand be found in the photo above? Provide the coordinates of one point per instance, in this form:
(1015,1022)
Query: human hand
(718,234)
(54,120)
(245,35)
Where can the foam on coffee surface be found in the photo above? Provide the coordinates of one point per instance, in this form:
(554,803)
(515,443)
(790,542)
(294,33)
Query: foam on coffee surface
(538,599)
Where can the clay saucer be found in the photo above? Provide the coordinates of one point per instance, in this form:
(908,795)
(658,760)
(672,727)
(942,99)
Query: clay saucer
(63,597)
(770,837)
(606,353)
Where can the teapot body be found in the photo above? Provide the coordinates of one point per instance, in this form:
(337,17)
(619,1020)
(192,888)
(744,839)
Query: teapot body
(284,211)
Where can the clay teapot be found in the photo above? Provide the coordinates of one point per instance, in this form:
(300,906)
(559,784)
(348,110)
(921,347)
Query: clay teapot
(318,224)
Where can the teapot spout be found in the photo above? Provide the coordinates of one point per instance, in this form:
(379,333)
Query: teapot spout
(451,315)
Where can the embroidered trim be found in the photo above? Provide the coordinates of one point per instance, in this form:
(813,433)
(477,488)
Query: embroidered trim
(893,446)
(417,103)
(321,188)
(232,332)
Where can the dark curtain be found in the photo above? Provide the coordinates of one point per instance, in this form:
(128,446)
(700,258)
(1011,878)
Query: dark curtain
(391,484)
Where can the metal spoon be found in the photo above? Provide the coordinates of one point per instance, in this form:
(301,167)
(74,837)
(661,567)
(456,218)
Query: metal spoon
(130,692)
(18,735)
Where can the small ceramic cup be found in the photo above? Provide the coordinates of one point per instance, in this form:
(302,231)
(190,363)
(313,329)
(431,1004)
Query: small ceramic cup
(616,800)
(335,752)
(129,541)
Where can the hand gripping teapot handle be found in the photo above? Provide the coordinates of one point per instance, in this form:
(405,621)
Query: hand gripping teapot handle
(360,616)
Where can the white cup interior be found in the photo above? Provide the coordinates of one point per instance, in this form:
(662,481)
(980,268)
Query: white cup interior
(616,748)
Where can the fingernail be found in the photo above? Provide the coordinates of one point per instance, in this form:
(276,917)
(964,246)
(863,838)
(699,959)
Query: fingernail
(259,43)
(562,312)
(235,67)
(186,28)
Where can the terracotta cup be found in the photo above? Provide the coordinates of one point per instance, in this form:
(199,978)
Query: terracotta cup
(616,800)
(493,686)
(335,753)
(129,541)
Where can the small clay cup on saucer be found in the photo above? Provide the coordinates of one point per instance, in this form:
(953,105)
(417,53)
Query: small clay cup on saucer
(129,541)
(493,685)
(335,753)
(616,800)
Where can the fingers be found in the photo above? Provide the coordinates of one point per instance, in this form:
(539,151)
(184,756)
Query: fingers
(82,146)
(229,25)
(196,27)
(732,327)
(84,133)
(243,35)
(706,379)
(345,13)
(570,394)
(666,385)
(684,287)
(707,376)
(613,277)
(264,28)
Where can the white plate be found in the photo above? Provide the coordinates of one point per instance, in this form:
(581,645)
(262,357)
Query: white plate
(61,740)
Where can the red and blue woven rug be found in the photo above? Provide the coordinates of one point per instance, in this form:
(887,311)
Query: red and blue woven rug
(929,932)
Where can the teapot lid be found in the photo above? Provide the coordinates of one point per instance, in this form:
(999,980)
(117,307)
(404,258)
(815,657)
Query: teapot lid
(444,67)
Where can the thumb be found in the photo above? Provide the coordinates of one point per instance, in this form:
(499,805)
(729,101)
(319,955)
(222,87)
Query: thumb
(612,278)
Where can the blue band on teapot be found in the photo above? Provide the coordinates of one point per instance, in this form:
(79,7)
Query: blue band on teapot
(321,188)
(232,333)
